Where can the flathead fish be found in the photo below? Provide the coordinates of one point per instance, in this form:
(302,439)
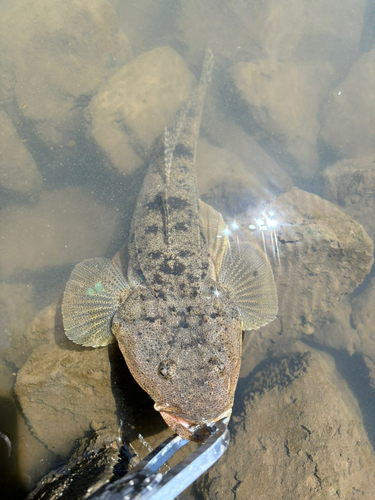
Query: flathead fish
(179,309)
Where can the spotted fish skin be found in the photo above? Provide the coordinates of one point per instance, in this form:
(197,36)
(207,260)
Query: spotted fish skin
(176,300)
(167,246)
(178,314)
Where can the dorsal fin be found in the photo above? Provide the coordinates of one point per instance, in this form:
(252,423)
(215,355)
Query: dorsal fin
(213,228)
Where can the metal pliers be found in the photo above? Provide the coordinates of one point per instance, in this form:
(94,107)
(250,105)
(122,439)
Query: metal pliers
(144,482)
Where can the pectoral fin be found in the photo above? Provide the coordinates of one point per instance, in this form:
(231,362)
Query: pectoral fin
(95,290)
(247,273)
(213,228)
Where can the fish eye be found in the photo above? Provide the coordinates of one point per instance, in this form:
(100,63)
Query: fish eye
(216,365)
(167,369)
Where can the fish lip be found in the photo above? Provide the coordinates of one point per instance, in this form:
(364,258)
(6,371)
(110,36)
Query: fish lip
(192,430)
(179,420)
(174,414)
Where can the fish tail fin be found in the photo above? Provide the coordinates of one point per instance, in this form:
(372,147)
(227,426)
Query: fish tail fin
(172,134)
(208,64)
(188,118)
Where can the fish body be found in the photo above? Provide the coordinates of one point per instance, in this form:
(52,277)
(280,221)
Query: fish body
(179,309)
(177,319)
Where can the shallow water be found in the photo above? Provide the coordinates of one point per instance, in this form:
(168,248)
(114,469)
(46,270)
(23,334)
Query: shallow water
(86,91)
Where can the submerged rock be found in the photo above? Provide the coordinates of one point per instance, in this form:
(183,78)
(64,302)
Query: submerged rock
(62,388)
(18,170)
(139,101)
(260,84)
(52,232)
(350,184)
(300,30)
(59,54)
(62,391)
(296,435)
(16,312)
(349,124)
(258,167)
(223,180)
(363,320)
(324,255)
(281,29)
(336,330)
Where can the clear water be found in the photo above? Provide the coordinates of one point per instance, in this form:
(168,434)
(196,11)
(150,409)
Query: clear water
(69,184)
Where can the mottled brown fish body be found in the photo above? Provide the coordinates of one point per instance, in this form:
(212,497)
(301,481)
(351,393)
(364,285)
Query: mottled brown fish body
(177,316)
(167,246)
(202,343)
(178,310)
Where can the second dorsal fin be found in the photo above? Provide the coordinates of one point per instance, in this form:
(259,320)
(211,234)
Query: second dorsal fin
(213,228)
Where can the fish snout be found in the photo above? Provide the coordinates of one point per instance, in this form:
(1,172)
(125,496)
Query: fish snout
(192,431)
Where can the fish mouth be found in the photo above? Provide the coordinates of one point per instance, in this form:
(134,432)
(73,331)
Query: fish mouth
(191,430)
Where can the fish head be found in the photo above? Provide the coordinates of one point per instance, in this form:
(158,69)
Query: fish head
(185,354)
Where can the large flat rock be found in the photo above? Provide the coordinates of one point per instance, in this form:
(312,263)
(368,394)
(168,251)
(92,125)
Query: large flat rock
(298,436)
(324,255)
